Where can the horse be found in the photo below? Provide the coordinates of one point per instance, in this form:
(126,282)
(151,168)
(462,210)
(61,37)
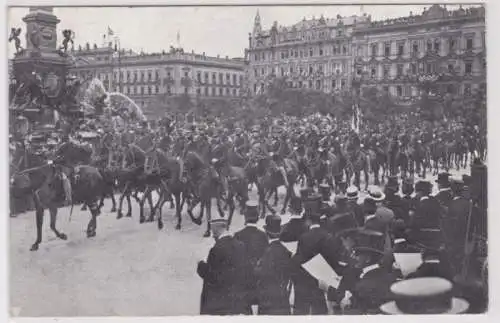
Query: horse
(438,154)
(270,178)
(133,179)
(321,170)
(379,163)
(419,155)
(170,172)
(204,184)
(44,184)
(358,161)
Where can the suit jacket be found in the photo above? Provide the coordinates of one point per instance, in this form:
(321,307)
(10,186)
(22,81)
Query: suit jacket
(444,197)
(358,212)
(427,214)
(273,275)
(455,224)
(292,230)
(224,278)
(382,222)
(255,242)
(374,288)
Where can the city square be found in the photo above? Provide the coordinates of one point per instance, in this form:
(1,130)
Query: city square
(131,169)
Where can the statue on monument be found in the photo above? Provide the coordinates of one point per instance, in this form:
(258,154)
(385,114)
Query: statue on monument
(35,37)
(14,36)
(68,35)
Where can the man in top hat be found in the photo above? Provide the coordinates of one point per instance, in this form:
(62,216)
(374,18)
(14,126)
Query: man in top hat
(292,230)
(425,223)
(408,202)
(394,203)
(225,274)
(352,194)
(444,195)
(255,242)
(454,225)
(343,218)
(324,190)
(273,272)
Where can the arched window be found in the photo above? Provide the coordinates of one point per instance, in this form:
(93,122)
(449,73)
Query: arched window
(149,90)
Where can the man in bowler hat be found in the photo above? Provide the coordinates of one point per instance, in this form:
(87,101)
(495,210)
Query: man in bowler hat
(444,194)
(273,273)
(224,274)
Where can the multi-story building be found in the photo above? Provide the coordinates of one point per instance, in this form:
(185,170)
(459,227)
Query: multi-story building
(143,77)
(328,54)
(314,54)
(447,45)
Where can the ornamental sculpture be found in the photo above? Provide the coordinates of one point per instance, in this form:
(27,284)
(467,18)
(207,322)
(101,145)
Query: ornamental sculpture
(68,35)
(14,36)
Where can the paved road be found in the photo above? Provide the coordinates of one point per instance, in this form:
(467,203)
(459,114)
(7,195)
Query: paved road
(128,269)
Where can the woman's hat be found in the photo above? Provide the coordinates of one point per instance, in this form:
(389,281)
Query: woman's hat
(426,295)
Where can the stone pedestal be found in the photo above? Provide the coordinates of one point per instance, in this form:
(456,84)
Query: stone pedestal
(41,62)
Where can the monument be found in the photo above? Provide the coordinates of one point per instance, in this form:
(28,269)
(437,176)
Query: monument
(40,69)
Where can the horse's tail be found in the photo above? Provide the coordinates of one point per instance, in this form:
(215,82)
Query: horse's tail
(71,210)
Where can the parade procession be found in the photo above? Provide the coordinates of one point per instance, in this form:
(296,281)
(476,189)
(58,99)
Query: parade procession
(277,196)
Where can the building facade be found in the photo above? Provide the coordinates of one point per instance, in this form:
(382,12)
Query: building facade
(143,77)
(314,54)
(329,54)
(449,46)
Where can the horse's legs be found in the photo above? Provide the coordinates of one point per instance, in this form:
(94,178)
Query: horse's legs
(113,200)
(39,223)
(232,207)
(367,179)
(219,206)
(151,207)
(191,206)
(92,226)
(129,202)
(141,205)
(288,196)
(53,220)
(120,206)
(357,179)
(208,205)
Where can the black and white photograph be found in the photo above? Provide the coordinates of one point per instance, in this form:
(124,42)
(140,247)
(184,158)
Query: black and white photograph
(246,159)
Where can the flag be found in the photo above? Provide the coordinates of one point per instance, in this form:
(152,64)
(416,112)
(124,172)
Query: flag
(110,32)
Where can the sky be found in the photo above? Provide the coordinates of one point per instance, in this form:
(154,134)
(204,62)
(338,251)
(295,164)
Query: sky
(213,30)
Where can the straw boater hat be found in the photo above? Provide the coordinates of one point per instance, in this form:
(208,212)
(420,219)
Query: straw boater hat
(427,295)
(352,193)
(376,193)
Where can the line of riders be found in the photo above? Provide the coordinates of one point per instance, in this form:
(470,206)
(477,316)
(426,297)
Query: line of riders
(189,163)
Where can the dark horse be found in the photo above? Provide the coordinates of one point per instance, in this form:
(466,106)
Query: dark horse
(169,170)
(203,184)
(270,178)
(44,183)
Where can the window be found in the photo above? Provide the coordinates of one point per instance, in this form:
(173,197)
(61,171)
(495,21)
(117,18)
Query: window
(429,46)
(256,57)
(263,72)
(157,75)
(227,91)
(318,84)
(428,68)
(282,71)
(185,90)
(198,76)
(400,69)
(470,43)
(451,68)
(234,79)
(385,88)
(150,76)
(310,52)
(149,90)
(310,84)
(234,92)
(344,49)
(214,77)
(373,72)
(206,77)
(311,71)
(386,71)
(387,49)
(296,54)
(205,90)
(198,91)
(342,84)
(142,90)
(169,74)
(263,56)
(399,90)
(468,68)
(374,49)
(220,91)
(451,45)
(255,88)
(282,55)
(334,84)
(169,90)
(450,89)
(320,68)
(359,71)
(228,78)
(401,49)
(142,76)
(321,52)
(221,78)
(186,74)
(467,90)
(415,48)
(300,84)
(437,45)
(291,69)
(157,89)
